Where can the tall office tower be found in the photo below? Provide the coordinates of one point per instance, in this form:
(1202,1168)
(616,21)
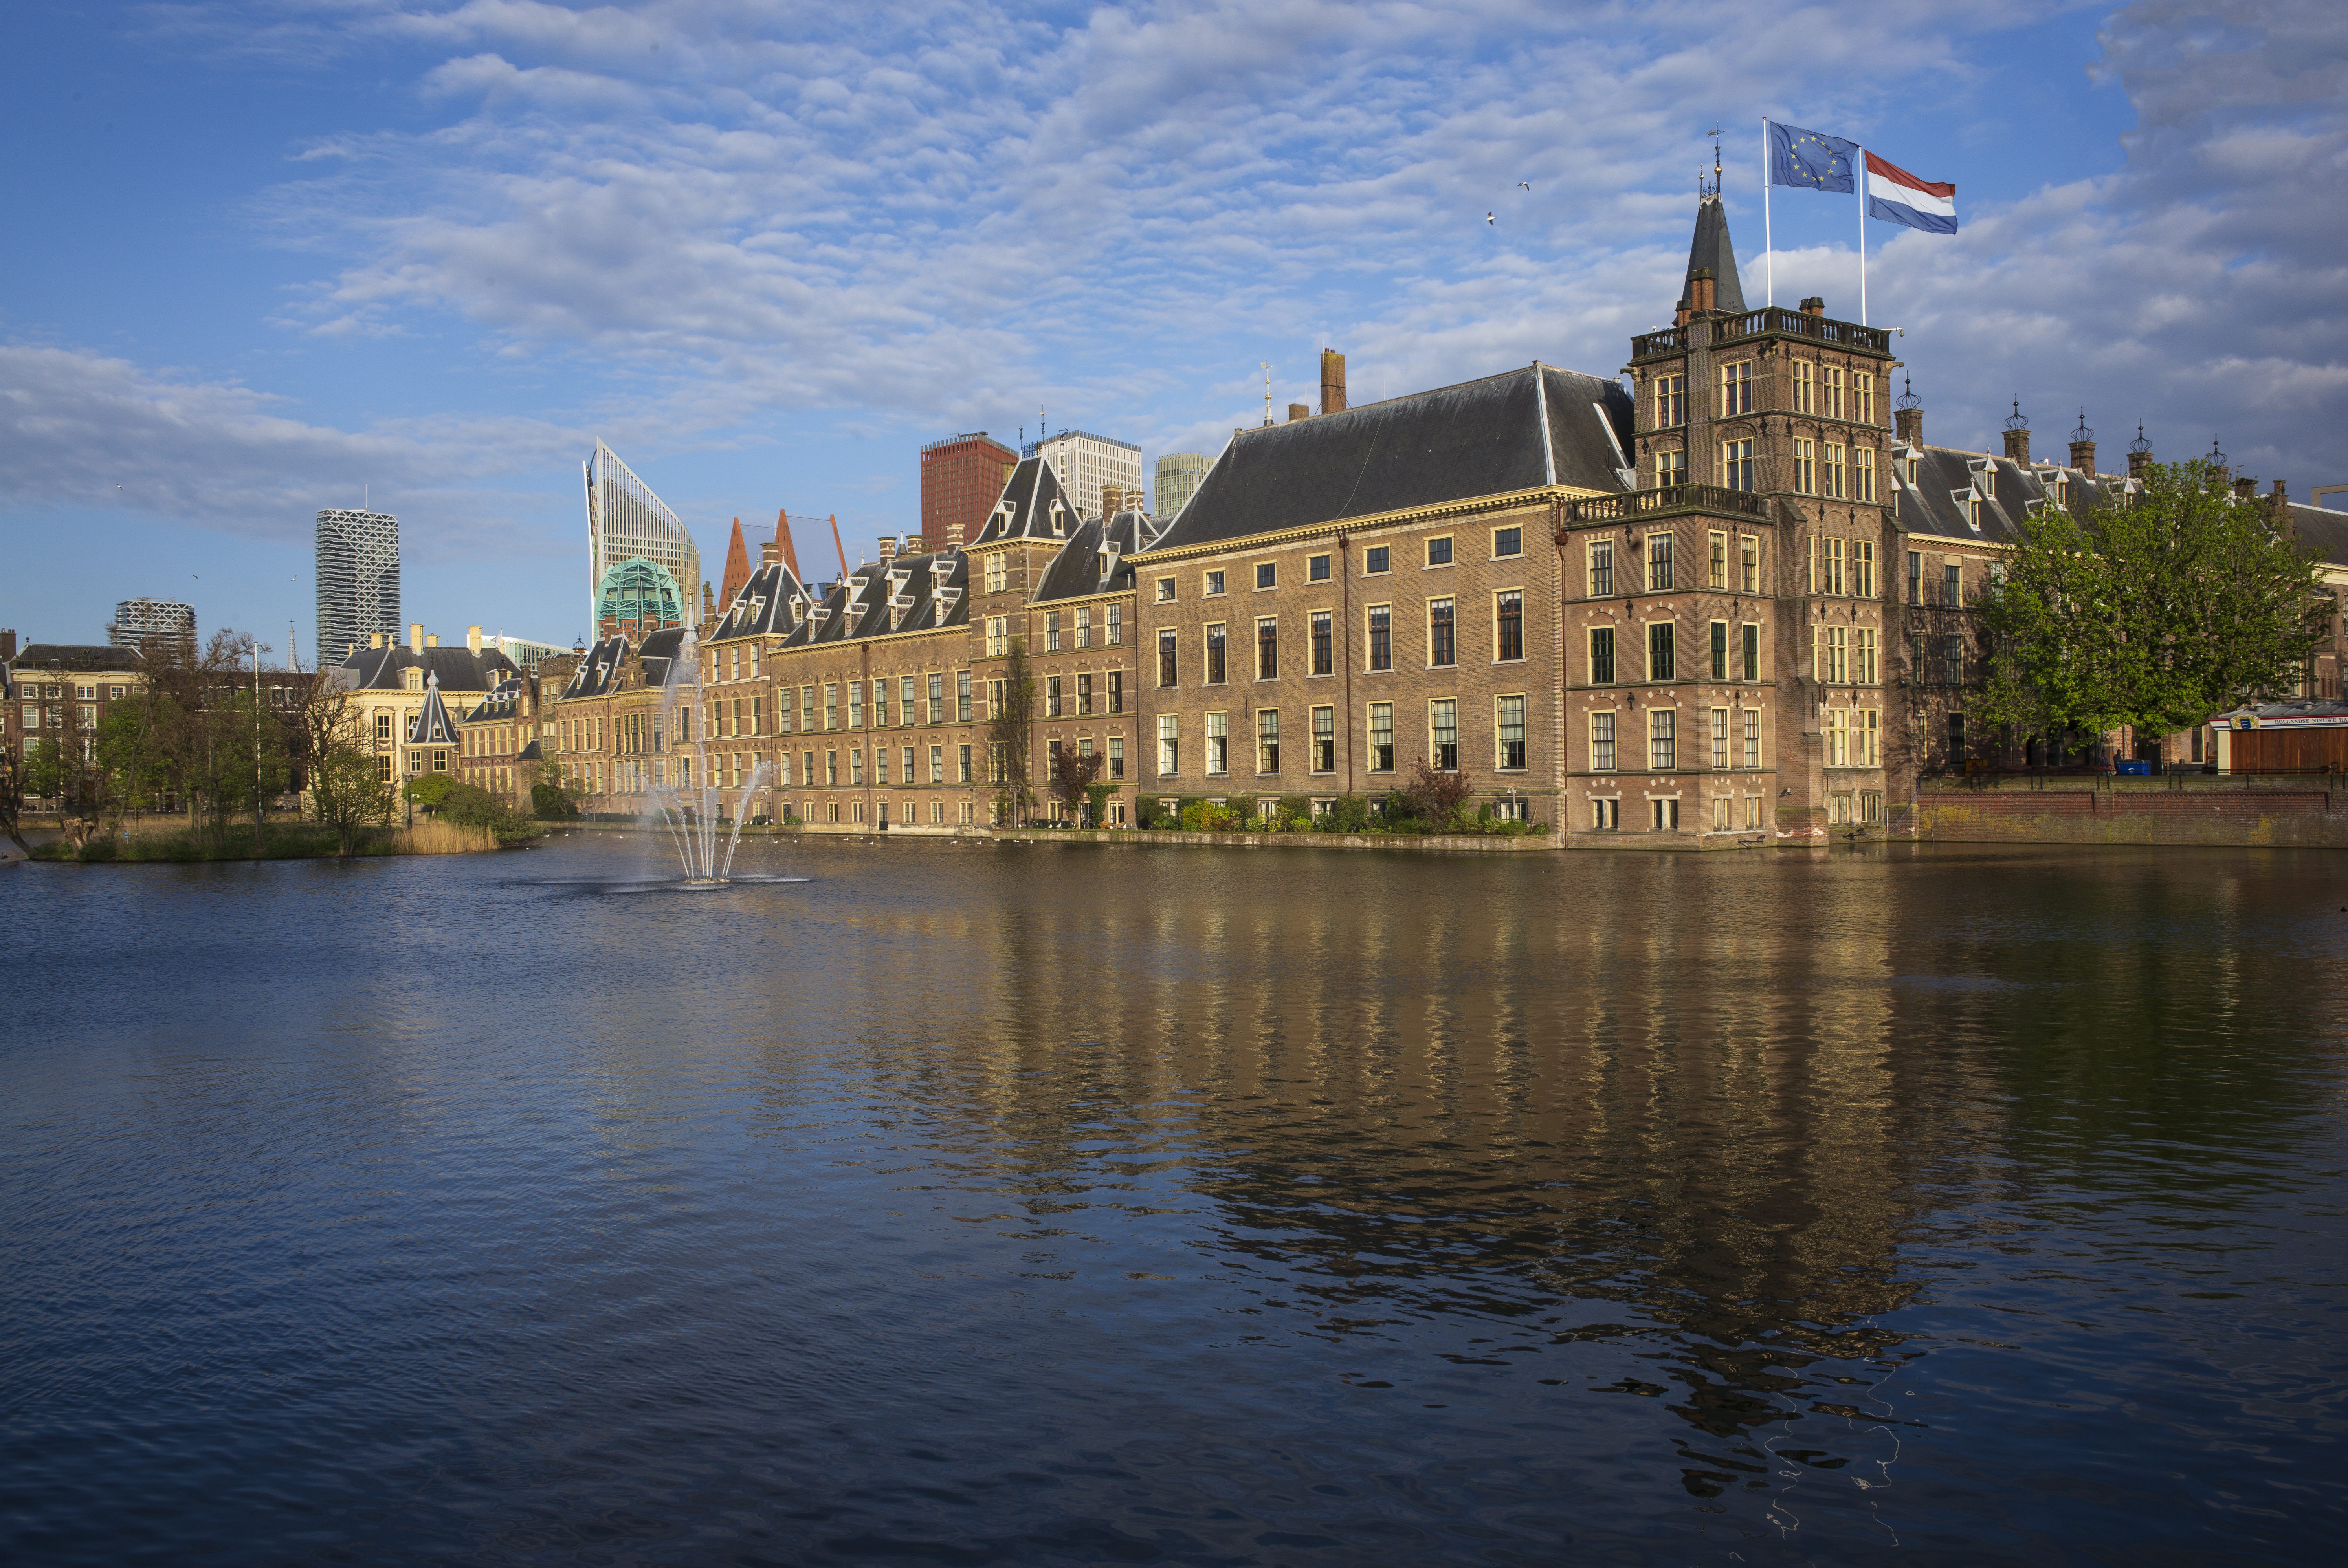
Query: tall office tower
(1083,463)
(643,568)
(144,623)
(1179,474)
(962,475)
(358,580)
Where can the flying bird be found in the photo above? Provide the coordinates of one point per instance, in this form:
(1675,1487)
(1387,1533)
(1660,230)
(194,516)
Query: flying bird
(1524,185)
(1488,218)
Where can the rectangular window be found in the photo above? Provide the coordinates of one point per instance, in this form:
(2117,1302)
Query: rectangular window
(937,764)
(994,700)
(1866,673)
(1267,574)
(1670,401)
(1381,636)
(1752,652)
(1117,691)
(1671,469)
(1507,542)
(1660,665)
(1509,623)
(998,636)
(1085,627)
(757,713)
(1267,648)
(1441,646)
(1838,737)
(1736,464)
(1165,590)
(962,764)
(1830,391)
(1316,569)
(1116,756)
(1211,584)
(1116,626)
(1834,655)
(961,697)
(1443,734)
(1084,696)
(1381,747)
(855,704)
(1748,568)
(1865,738)
(1375,560)
(831,707)
(1324,739)
(831,768)
(1862,569)
(1806,466)
(1216,662)
(1051,697)
(1601,568)
(1953,584)
(1510,733)
(1806,396)
(1324,657)
(880,765)
(1716,560)
(1659,563)
(997,572)
(937,710)
(1601,656)
(1219,744)
(1663,739)
(1168,663)
(905,699)
(1720,651)
(1736,388)
(1863,400)
(1267,739)
(1602,743)
(1438,552)
(1862,473)
(1953,659)
(1720,738)
(880,704)
(1051,631)
(1752,737)
(1831,579)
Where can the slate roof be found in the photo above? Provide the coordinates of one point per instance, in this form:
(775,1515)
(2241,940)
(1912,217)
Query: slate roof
(1520,430)
(770,604)
(659,651)
(87,658)
(1711,249)
(1931,485)
(457,669)
(599,670)
(1096,558)
(909,593)
(2322,530)
(502,702)
(432,726)
(1032,506)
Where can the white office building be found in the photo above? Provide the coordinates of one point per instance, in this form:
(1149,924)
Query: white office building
(358,580)
(1085,463)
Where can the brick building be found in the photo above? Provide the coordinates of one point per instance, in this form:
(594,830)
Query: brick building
(961,477)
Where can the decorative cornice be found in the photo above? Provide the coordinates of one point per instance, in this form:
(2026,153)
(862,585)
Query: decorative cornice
(1508,501)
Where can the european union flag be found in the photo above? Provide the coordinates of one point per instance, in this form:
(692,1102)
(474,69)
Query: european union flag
(1811,160)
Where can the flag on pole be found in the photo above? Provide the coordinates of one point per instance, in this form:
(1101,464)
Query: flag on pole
(1896,196)
(1811,160)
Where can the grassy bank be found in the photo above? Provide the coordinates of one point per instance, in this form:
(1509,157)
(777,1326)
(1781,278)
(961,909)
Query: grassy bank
(279,841)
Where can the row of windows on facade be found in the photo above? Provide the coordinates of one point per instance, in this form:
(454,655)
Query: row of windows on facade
(1508,631)
(1822,391)
(1829,469)
(1843,807)
(1377,560)
(1508,749)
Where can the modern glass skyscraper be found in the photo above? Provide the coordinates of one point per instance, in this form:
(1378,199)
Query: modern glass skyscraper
(141,623)
(358,580)
(626,522)
(1179,474)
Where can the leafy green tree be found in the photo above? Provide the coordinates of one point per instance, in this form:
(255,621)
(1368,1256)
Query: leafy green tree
(431,791)
(2154,615)
(1007,738)
(347,790)
(12,795)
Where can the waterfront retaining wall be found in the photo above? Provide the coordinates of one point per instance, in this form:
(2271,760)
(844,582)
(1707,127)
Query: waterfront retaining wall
(2309,812)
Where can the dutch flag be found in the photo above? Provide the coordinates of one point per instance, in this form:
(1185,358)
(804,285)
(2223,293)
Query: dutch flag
(1897,196)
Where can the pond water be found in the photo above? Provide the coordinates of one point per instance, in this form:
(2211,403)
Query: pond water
(1047,1204)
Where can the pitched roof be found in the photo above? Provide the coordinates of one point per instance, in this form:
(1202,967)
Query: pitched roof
(2322,530)
(1711,250)
(909,593)
(769,604)
(432,725)
(1032,506)
(599,672)
(1517,431)
(1930,486)
(1096,558)
(457,669)
(84,657)
(503,701)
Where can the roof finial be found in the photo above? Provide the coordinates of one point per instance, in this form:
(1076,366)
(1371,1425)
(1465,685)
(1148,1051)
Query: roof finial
(1906,398)
(2018,421)
(1714,191)
(2083,433)
(2216,456)
(2140,444)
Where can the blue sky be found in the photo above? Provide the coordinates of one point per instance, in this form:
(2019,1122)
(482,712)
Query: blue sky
(272,257)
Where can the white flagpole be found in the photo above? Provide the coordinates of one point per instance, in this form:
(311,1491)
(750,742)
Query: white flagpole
(1768,246)
(1859,184)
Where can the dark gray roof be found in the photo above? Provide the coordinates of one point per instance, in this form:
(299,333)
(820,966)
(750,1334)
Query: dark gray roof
(85,657)
(502,702)
(599,672)
(659,649)
(1517,431)
(1031,507)
(1711,249)
(1930,486)
(2321,713)
(769,605)
(909,593)
(1096,558)
(2321,530)
(432,727)
(457,669)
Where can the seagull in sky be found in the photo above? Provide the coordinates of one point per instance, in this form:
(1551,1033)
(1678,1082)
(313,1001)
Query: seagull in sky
(1524,185)
(1488,218)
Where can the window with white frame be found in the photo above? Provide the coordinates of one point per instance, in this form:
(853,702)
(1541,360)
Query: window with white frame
(1663,739)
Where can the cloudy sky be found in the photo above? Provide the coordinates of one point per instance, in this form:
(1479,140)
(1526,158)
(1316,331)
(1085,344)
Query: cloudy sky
(271,257)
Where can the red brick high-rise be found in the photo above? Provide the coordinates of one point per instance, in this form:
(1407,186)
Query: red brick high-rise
(962,477)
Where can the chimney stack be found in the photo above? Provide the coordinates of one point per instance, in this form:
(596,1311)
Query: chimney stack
(1297,411)
(7,646)
(473,640)
(415,637)
(1332,382)
(374,640)
(2017,436)
(432,640)
(2083,447)
(1702,290)
(1908,415)
(2139,453)
(2246,490)
(1815,305)
(770,552)
(888,549)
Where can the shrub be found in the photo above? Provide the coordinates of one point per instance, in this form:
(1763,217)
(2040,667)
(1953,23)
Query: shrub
(548,802)
(1205,816)
(430,790)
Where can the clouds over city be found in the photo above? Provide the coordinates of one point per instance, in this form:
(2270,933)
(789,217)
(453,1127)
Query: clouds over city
(711,216)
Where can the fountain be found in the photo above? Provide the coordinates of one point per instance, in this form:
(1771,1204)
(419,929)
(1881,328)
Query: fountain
(682,792)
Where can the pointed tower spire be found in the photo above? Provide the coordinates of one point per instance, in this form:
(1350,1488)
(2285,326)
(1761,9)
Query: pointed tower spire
(737,570)
(1711,251)
(783,537)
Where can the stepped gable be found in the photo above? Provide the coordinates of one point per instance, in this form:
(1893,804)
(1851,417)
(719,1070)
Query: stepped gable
(1711,251)
(432,725)
(1097,558)
(599,670)
(1517,431)
(1026,509)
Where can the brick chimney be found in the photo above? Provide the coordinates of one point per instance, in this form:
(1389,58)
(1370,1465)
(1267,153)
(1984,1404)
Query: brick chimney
(2083,447)
(2246,490)
(2017,436)
(1908,414)
(473,640)
(2280,502)
(1332,382)
(1704,291)
(2139,453)
(1815,305)
(415,637)
(770,552)
(374,640)
(432,640)
(888,549)
(7,645)
(1297,411)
